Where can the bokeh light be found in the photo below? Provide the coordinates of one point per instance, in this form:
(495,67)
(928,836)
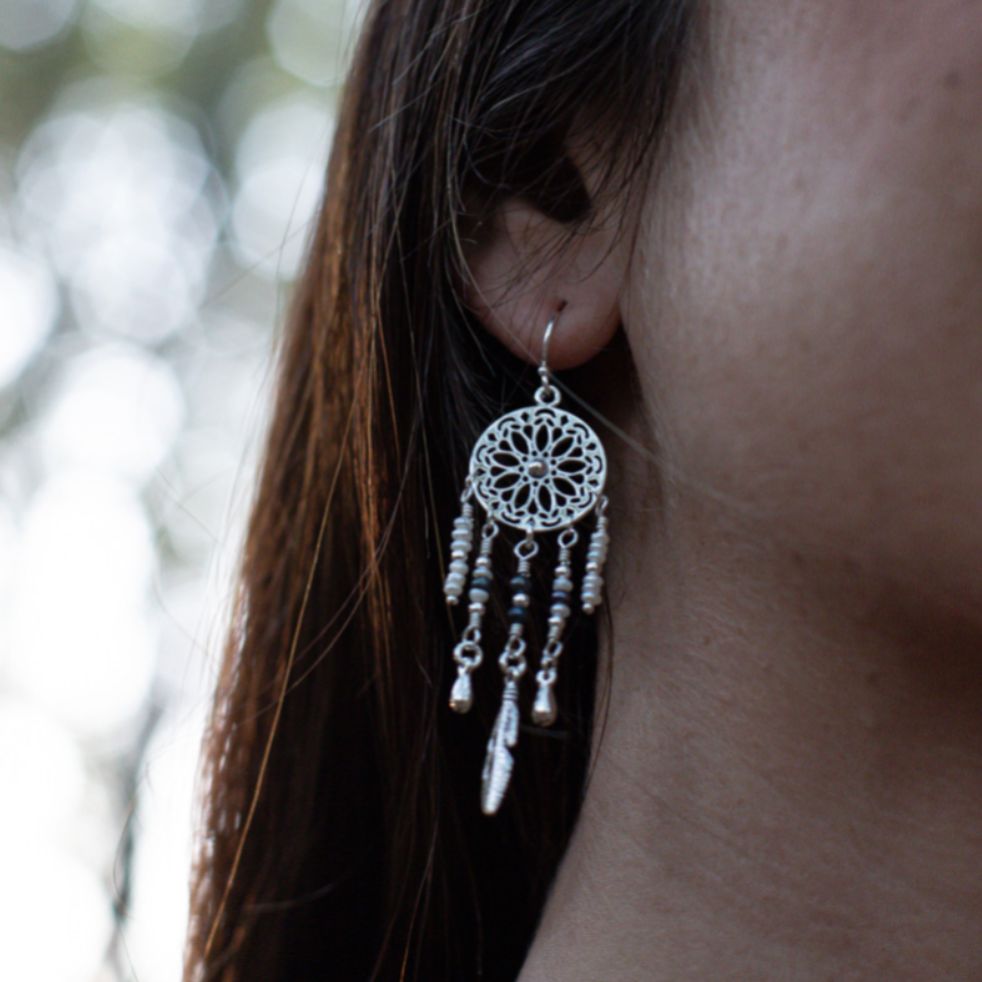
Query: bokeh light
(307,38)
(279,162)
(45,885)
(86,553)
(28,24)
(160,168)
(30,299)
(119,409)
(118,192)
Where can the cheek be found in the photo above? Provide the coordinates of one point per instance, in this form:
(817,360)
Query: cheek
(809,315)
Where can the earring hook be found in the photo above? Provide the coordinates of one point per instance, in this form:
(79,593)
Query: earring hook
(546,338)
(547,394)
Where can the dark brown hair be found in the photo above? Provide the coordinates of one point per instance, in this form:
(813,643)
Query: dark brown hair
(342,834)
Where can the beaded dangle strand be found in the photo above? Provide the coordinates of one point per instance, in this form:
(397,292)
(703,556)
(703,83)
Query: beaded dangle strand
(538,470)
(593,581)
(468,653)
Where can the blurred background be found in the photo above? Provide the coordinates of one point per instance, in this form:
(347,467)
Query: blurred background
(160,162)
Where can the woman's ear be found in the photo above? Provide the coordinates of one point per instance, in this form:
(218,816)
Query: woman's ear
(524,267)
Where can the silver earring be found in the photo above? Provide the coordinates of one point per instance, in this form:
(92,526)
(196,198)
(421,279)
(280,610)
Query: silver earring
(540,470)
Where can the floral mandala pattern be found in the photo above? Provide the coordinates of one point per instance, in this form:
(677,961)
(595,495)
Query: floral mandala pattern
(538,468)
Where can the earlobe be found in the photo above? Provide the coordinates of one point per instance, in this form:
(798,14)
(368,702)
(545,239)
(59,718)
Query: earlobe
(524,267)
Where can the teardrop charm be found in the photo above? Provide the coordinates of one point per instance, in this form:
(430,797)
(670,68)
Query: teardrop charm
(462,693)
(544,708)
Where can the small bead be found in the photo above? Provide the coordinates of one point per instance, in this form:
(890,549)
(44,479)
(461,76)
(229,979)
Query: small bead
(556,621)
(458,566)
(592,566)
(519,583)
(478,595)
(521,600)
(475,607)
(560,610)
(560,596)
(518,615)
(562,583)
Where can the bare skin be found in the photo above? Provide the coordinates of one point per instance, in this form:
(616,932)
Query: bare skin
(789,784)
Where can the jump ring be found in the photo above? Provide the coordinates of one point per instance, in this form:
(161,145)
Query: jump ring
(461,657)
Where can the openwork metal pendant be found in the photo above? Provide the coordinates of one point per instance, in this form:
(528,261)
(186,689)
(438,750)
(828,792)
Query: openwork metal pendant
(538,469)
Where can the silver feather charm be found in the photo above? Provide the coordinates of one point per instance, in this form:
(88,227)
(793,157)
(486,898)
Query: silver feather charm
(499,762)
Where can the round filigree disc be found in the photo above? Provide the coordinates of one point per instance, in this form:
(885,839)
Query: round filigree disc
(538,468)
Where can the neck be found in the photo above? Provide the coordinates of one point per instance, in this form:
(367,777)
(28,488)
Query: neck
(789,781)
